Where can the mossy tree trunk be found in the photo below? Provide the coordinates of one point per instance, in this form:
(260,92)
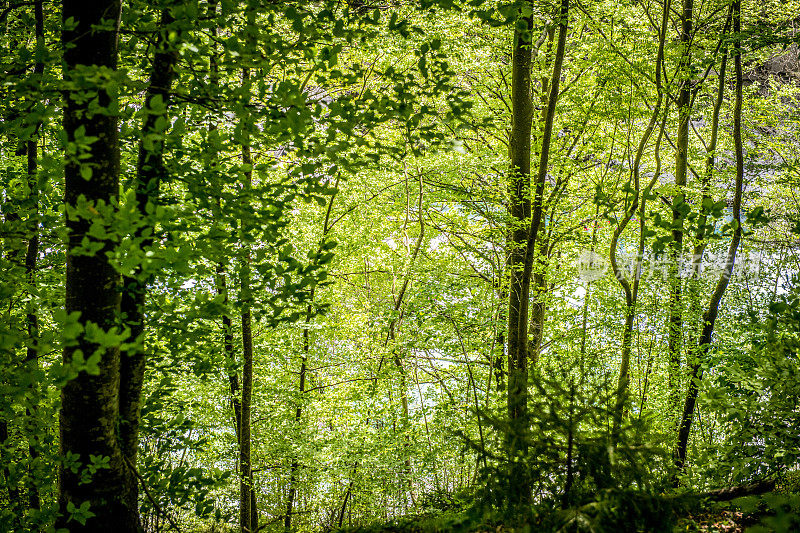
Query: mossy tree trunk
(91,400)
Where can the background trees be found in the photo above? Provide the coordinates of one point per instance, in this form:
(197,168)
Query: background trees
(325,264)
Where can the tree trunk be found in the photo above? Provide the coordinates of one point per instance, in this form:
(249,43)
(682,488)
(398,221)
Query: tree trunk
(675,322)
(31,257)
(246,486)
(90,402)
(247,508)
(519,210)
(287,520)
(538,307)
(631,288)
(149,172)
(710,315)
(524,234)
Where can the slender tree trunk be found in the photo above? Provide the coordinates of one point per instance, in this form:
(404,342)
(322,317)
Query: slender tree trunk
(538,207)
(221,284)
(246,487)
(701,239)
(538,312)
(247,510)
(233,377)
(347,495)
(149,172)
(31,257)
(675,322)
(30,363)
(524,234)
(500,339)
(246,490)
(398,359)
(631,288)
(90,402)
(32,318)
(711,313)
(287,521)
(536,249)
(390,335)
(538,273)
(241,393)
(519,210)
(295,467)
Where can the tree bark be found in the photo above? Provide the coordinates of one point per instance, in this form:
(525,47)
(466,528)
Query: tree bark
(246,490)
(526,218)
(31,259)
(149,172)
(711,313)
(675,322)
(90,402)
(519,210)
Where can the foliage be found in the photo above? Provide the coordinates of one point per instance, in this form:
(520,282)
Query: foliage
(366,241)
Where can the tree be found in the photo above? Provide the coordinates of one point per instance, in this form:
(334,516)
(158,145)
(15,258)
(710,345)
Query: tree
(150,170)
(711,313)
(91,400)
(526,219)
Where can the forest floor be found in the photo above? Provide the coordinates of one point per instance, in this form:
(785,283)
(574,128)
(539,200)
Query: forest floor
(724,521)
(767,513)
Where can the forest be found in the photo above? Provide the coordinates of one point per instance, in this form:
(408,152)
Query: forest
(399,265)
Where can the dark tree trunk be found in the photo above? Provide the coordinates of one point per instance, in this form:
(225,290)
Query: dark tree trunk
(246,489)
(246,492)
(150,169)
(90,402)
(500,339)
(31,257)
